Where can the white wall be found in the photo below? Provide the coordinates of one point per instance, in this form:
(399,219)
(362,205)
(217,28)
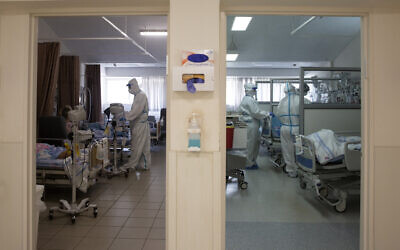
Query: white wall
(351,55)
(47,34)
(16,147)
(383,121)
(195,181)
(341,121)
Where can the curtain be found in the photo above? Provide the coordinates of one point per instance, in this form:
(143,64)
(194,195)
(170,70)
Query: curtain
(47,72)
(156,89)
(68,81)
(92,75)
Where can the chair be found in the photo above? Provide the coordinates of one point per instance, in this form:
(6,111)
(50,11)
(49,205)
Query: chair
(52,130)
(155,129)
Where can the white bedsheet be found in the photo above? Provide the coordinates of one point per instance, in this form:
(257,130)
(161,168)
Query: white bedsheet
(329,146)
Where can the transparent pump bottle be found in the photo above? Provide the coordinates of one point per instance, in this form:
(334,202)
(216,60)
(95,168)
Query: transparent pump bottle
(194,133)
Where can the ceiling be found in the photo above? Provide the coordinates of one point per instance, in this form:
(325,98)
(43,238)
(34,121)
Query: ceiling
(268,40)
(106,44)
(266,43)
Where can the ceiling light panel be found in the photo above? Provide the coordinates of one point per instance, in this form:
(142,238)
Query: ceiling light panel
(153,33)
(240,23)
(231,57)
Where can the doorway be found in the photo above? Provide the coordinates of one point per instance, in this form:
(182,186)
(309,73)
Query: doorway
(97,57)
(272,52)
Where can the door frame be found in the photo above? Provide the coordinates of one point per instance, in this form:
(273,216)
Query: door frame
(366,238)
(34,16)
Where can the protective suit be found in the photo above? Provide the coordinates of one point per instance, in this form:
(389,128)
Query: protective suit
(140,132)
(288,113)
(252,115)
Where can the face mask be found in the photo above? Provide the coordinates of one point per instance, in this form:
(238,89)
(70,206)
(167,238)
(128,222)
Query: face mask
(131,91)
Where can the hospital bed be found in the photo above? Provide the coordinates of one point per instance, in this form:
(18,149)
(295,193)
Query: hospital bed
(270,137)
(57,172)
(334,181)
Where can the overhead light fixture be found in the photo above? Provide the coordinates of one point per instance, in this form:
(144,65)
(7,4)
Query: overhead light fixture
(302,25)
(231,57)
(240,23)
(153,33)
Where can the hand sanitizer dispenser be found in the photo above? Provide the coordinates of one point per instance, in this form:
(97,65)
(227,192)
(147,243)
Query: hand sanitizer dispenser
(194,133)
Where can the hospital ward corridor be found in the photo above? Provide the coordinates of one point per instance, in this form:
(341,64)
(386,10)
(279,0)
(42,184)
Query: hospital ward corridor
(293,132)
(275,213)
(131,213)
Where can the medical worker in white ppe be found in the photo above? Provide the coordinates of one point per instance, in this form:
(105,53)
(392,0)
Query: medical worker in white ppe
(140,132)
(252,115)
(288,113)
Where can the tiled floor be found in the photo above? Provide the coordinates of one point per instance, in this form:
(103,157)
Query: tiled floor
(131,213)
(275,213)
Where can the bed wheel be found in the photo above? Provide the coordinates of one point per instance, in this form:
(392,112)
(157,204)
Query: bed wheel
(51,215)
(95,212)
(73,219)
(126,174)
(243,185)
(323,192)
(303,184)
(341,207)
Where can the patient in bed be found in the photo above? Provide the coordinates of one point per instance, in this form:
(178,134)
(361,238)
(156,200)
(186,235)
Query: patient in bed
(329,147)
(46,151)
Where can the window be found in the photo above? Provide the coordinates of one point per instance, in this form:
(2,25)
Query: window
(235,90)
(114,90)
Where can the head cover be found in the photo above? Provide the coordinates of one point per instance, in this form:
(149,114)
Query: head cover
(289,88)
(133,86)
(250,89)
(306,89)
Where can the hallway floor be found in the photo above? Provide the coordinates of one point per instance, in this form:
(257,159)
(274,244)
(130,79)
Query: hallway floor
(274,213)
(131,213)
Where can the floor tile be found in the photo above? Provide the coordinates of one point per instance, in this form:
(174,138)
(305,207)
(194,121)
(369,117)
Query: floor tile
(154,245)
(103,232)
(149,205)
(139,222)
(111,221)
(144,213)
(62,243)
(73,231)
(159,222)
(127,244)
(130,198)
(122,212)
(104,204)
(94,244)
(108,197)
(157,233)
(49,230)
(134,233)
(153,198)
(125,204)
(161,214)
(42,241)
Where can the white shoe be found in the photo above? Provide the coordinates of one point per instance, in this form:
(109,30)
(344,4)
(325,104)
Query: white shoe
(292,174)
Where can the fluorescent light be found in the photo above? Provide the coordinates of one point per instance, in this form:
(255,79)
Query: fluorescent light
(153,33)
(240,23)
(231,57)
